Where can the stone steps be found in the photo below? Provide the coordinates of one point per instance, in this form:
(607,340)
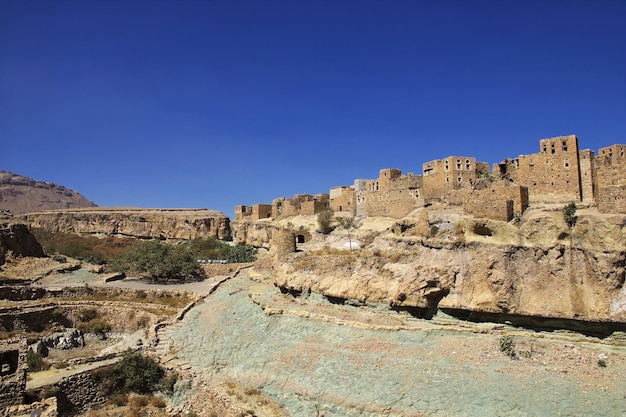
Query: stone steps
(168,360)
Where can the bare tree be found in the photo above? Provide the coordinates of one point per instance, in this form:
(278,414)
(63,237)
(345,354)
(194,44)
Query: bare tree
(348,223)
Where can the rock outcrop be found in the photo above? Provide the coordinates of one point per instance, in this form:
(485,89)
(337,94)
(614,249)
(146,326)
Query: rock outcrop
(19,194)
(17,239)
(137,222)
(538,268)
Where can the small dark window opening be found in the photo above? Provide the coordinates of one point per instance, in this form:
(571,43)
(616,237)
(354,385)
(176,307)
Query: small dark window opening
(300,239)
(8,362)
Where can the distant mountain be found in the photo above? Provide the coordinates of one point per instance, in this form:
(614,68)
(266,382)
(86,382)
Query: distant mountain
(19,194)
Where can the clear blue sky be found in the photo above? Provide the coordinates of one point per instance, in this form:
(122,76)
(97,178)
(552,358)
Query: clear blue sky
(217,103)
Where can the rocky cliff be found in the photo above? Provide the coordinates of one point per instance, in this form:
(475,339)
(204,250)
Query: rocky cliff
(19,194)
(137,222)
(539,267)
(17,239)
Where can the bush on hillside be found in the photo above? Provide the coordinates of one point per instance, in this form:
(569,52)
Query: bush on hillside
(158,260)
(211,248)
(325,221)
(134,373)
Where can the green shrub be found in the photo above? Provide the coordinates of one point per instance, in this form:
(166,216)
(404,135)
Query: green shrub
(569,214)
(159,260)
(211,248)
(508,346)
(36,361)
(101,327)
(136,373)
(58,314)
(87,315)
(167,384)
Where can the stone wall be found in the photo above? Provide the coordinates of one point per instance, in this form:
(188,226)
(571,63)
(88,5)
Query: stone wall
(552,175)
(490,199)
(78,393)
(587,170)
(12,372)
(360,187)
(299,204)
(343,200)
(283,243)
(610,183)
(242,212)
(441,177)
(392,194)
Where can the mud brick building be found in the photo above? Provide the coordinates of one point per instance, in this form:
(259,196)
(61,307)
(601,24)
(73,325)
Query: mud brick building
(441,177)
(553,175)
(343,200)
(559,173)
(255,212)
(610,179)
(299,204)
(392,194)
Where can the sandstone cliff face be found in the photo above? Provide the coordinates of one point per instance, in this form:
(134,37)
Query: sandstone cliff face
(141,223)
(539,268)
(18,239)
(19,194)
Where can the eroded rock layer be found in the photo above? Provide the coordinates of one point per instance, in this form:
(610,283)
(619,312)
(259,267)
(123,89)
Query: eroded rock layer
(139,222)
(539,268)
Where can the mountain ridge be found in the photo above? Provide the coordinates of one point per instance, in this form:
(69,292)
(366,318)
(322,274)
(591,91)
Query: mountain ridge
(20,194)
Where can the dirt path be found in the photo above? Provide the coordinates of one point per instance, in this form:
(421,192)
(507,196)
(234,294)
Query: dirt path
(52,376)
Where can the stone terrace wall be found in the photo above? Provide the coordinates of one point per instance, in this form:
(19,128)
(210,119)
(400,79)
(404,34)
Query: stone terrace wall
(77,393)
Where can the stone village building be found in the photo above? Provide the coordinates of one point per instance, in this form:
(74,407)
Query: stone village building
(558,173)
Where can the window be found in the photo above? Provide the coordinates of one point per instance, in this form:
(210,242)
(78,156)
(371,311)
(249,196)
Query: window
(564,146)
(567,165)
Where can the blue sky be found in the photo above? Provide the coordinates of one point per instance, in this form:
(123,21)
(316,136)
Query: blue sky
(217,103)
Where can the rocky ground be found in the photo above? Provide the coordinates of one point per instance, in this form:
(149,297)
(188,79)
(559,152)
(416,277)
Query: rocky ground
(250,350)
(315,358)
